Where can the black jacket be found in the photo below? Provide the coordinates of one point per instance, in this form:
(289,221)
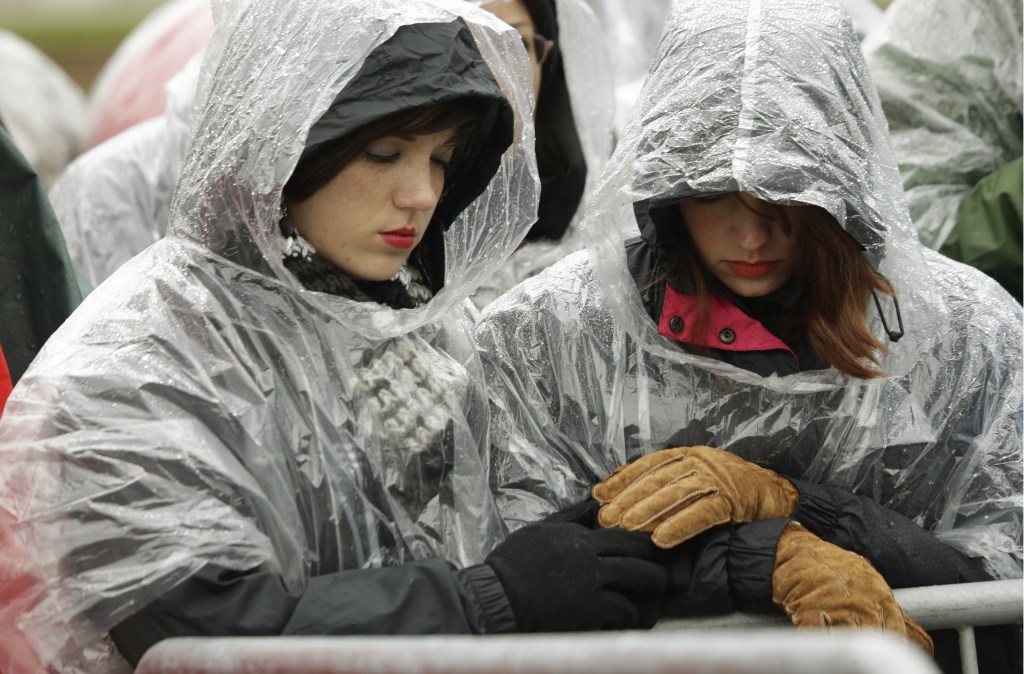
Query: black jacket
(426,597)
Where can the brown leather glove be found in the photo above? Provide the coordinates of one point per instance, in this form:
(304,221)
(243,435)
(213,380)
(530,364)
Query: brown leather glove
(819,584)
(680,492)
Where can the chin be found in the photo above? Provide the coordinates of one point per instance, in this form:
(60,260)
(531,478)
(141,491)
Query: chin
(754,289)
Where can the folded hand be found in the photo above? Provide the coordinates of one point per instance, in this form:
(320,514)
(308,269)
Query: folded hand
(680,492)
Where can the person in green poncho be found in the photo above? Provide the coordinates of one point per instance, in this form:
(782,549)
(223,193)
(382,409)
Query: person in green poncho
(950,79)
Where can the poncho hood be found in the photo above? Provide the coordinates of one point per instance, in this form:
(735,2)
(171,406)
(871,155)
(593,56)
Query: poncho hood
(327,81)
(774,99)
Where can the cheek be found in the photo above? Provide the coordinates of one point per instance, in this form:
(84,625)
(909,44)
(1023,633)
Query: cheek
(705,235)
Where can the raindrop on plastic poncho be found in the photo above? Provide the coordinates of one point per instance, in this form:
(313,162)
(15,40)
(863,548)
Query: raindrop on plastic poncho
(774,99)
(202,407)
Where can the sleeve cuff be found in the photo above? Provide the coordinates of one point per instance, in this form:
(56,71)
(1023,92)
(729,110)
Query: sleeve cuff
(752,562)
(815,510)
(493,610)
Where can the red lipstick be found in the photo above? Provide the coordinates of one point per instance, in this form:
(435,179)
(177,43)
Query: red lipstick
(403,237)
(752,269)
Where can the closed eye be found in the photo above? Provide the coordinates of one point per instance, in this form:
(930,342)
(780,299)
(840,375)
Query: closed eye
(380,158)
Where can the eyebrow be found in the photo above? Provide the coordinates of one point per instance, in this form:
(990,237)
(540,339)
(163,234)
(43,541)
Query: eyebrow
(409,138)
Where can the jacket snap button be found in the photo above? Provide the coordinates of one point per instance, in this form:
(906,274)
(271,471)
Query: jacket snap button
(727,336)
(675,324)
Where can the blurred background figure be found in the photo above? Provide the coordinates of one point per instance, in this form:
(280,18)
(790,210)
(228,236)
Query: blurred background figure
(574,119)
(113,201)
(866,15)
(633,28)
(949,76)
(130,87)
(42,109)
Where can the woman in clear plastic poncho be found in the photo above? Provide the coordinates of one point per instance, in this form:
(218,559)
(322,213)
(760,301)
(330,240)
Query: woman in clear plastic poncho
(767,108)
(247,429)
(574,127)
(114,200)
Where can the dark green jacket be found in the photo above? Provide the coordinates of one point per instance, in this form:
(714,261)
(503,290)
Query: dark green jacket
(988,228)
(38,285)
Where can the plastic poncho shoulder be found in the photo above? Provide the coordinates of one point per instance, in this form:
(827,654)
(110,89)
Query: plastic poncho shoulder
(201,407)
(771,98)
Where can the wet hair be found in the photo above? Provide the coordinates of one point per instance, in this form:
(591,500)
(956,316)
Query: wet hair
(837,283)
(461,114)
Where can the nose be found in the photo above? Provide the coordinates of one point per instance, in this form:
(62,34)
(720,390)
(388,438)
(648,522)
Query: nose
(417,189)
(752,230)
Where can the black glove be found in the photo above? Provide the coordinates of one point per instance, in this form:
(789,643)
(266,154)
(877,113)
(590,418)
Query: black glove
(565,577)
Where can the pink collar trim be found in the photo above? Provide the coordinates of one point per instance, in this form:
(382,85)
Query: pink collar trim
(729,328)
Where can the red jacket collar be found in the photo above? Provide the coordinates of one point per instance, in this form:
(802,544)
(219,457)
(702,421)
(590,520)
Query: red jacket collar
(5,382)
(729,328)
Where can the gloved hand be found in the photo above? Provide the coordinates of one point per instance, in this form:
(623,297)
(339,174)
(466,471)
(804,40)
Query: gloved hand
(565,577)
(819,584)
(680,492)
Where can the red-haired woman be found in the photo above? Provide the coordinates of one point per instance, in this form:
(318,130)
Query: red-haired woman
(776,326)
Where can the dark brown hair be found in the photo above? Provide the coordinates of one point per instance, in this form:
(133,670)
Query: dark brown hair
(462,114)
(837,283)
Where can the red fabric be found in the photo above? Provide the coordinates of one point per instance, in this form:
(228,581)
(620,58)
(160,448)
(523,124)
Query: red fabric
(5,382)
(750,334)
(130,88)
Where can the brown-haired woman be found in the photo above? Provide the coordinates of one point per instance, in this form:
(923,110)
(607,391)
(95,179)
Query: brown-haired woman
(775,347)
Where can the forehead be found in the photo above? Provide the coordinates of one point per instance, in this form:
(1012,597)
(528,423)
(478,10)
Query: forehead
(512,12)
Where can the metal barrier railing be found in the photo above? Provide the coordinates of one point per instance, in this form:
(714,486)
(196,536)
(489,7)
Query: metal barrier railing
(960,607)
(759,651)
(678,646)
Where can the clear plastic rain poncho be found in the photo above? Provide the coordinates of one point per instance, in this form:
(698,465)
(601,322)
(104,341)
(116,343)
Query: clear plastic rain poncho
(202,407)
(770,98)
(588,78)
(114,200)
(949,74)
(41,107)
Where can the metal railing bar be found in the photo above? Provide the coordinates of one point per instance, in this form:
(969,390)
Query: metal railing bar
(995,602)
